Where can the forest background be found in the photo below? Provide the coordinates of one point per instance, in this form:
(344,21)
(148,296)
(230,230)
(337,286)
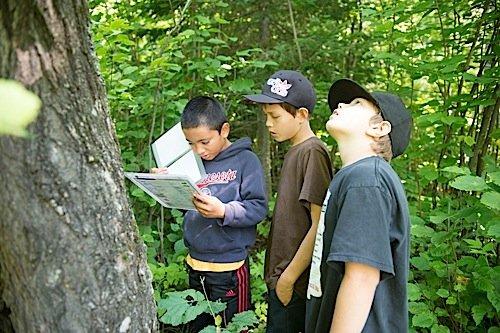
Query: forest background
(441,57)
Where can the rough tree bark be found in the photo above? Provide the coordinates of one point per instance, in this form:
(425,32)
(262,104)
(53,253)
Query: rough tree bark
(70,256)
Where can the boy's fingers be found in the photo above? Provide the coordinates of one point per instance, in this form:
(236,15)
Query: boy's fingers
(200,205)
(200,197)
(159,170)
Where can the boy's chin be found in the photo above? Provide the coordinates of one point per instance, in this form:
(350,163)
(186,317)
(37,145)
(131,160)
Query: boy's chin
(336,133)
(277,138)
(331,128)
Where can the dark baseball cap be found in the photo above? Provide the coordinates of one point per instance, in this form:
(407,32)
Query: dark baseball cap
(289,87)
(390,105)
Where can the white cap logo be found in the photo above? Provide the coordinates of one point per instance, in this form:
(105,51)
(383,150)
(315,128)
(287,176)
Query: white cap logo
(279,87)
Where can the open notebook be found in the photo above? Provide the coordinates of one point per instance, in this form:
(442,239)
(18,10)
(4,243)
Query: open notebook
(172,151)
(174,189)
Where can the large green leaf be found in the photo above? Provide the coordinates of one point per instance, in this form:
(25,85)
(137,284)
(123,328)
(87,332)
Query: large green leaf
(241,85)
(420,263)
(18,108)
(443,293)
(478,312)
(495,177)
(414,293)
(457,170)
(494,228)
(242,321)
(469,183)
(209,329)
(491,199)
(421,231)
(425,319)
(439,329)
(184,306)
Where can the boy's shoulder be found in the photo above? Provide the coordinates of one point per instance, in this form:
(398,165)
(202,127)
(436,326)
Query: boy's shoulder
(363,182)
(311,153)
(310,146)
(314,142)
(244,153)
(241,147)
(368,172)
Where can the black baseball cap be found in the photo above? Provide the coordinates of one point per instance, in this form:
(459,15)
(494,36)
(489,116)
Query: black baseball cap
(390,105)
(289,87)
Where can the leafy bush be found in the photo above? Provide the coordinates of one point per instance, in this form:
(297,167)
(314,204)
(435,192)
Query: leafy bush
(441,57)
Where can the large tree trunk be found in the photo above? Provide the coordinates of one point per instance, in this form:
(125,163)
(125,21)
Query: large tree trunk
(70,256)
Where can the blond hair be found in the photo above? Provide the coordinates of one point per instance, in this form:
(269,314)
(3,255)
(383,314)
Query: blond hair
(381,145)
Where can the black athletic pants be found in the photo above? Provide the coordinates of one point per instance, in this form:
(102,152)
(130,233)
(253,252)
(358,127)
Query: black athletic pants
(286,319)
(232,288)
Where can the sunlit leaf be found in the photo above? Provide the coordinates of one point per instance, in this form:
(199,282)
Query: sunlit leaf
(491,199)
(469,183)
(18,108)
(425,319)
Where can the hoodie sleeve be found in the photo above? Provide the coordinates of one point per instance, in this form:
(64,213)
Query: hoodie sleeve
(253,205)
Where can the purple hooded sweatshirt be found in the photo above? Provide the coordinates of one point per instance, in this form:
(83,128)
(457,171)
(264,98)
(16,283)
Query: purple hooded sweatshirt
(236,178)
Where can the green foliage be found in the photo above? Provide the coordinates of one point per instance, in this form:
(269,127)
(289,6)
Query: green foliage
(181,307)
(440,57)
(18,108)
(241,321)
(455,270)
(469,183)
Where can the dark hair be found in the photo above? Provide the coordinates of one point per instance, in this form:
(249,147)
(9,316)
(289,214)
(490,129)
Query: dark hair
(289,108)
(203,111)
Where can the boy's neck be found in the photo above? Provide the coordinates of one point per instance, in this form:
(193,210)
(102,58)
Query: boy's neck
(226,144)
(303,134)
(353,151)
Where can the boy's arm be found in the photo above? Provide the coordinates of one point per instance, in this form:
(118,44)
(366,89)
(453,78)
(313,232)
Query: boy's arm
(355,297)
(300,261)
(250,210)
(252,207)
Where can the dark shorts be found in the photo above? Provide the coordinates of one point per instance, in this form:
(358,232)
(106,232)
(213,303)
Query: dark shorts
(286,319)
(232,288)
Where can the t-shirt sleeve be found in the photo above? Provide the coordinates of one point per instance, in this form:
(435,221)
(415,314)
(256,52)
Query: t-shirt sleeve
(362,231)
(317,177)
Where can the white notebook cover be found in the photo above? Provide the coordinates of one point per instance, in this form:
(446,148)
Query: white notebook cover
(172,150)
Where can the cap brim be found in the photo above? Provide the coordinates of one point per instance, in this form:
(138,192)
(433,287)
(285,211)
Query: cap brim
(262,99)
(344,91)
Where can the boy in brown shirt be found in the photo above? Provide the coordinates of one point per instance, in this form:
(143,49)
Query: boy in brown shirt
(288,99)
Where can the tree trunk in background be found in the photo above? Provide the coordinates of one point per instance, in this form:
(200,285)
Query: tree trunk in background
(264,151)
(486,127)
(70,255)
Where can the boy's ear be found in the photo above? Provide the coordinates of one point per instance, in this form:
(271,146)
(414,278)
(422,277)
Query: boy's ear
(302,114)
(378,130)
(224,131)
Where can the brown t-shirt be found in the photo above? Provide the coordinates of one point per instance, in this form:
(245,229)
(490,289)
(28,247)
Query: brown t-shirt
(305,176)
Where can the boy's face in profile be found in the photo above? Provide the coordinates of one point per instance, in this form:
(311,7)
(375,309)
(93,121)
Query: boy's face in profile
(281,124)
(207,142)
(351,119)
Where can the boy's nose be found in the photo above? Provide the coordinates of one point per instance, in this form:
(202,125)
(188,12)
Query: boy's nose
(198,150)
